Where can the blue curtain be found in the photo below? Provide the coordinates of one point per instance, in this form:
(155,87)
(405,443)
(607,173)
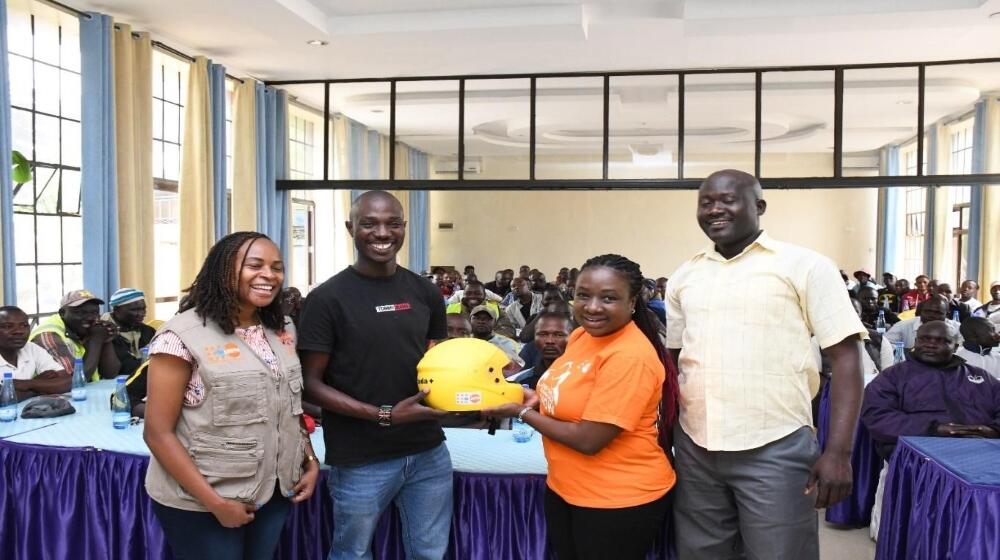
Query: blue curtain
(929,225)
(272,164)
(419,248)
(217,101)
(98,185)
(976,194)
(6,192)
(892,210)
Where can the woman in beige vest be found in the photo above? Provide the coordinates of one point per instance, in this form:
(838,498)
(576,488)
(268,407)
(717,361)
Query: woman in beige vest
(224,408)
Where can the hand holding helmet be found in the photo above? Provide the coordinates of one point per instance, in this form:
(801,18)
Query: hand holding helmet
(412,409)
(466,375)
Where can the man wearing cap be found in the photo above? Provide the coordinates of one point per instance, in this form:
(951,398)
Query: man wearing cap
(128,311)
(483,318)
(864,278)
(76,331)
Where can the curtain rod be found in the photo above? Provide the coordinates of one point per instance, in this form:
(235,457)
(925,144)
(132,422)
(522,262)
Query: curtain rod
(157,44)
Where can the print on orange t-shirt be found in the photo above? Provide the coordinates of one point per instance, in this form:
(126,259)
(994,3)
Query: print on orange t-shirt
(615,379)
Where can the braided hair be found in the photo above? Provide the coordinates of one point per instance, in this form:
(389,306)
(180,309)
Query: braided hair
(214,295)
(649,326)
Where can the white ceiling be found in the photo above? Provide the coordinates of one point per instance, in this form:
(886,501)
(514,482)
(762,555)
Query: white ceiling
(385,38)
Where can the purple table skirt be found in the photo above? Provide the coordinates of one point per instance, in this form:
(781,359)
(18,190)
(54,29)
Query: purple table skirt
(84,503)
(856,509)
(929,512)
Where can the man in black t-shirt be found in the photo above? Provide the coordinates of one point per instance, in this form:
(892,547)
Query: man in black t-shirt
(361,335)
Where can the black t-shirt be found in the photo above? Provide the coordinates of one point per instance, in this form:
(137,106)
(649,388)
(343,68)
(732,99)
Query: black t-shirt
(376,331)
(493,287)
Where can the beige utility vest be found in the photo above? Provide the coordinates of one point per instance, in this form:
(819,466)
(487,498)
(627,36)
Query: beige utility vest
(246,433)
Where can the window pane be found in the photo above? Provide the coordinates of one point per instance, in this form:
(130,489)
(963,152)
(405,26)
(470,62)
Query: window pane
(171,83)
(569,117)
(72,239)
(19,30)
(166,236)
(797,124)
(880,110)
(497,115)
(26,289)
(427,120)
(70,191)
(642,127)
(70,52)
(24,242)
(158,159)
(22,132)
(171,161)
(24,197)
(171,123)
(49,238)
(718,123)
(50,288)
(950,100)
(20,82)
(46,139)
(46,88)
(71,143)
(70,100)
(73,277)
(46,33)
(47,195)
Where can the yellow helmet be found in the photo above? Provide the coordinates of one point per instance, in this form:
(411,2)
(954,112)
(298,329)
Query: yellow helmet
(465,375)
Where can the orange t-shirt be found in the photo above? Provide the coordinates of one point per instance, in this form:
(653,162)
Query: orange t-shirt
(615,379)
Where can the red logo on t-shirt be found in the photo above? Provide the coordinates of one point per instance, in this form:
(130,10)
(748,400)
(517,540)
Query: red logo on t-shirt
(392,307)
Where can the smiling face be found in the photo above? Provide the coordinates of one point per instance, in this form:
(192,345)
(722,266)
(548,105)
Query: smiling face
(14,329)
(869,300)
(80,318)
(261,274)
(602,304)
(729,210)
(921,284)
(473,296)
(968,290)
(378,229)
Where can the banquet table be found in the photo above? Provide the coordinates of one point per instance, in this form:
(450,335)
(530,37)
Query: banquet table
(72,487)
(942,500)
(856,509)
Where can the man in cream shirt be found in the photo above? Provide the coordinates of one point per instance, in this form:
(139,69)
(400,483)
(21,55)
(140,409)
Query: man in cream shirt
(740,315)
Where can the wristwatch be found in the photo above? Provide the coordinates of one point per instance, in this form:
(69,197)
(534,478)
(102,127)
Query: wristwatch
(385,415)
(525,410)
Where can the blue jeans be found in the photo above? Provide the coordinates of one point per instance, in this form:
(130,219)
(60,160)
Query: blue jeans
(420,484)
(198,534)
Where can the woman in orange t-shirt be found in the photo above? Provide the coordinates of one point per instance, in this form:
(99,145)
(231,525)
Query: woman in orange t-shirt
(600,410)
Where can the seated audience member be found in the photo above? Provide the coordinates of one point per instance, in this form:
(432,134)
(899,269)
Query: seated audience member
(537,280)
(919,294)
(468,270)
(888,280)
(35,371)
(501,282)
(888,297)
(77,331)
(661,287)
(877,353)
(523,271)
(868,298)
(655,304)
(893,295)
(128,311)
(458,326)
(473,295)
(482,319)
(291,303)
(551,334)
(980,345)
(991,309)
(935,393)
(934,309)
(526,304)
(967,294)
(552,300)
(864,280)
(955,306)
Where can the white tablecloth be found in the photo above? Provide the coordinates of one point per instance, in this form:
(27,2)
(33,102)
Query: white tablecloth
(472,451)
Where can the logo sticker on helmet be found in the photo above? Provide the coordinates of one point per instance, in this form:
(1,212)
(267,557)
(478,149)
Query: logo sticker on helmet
(468,397)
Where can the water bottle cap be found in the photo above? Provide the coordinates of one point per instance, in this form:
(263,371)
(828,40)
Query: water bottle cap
(8,375)
(122,379)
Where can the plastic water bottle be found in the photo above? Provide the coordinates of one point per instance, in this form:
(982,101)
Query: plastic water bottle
(898,355)
(121,411)
(880,322)
(8,398)
(954,316)
(79,392)
(520,429)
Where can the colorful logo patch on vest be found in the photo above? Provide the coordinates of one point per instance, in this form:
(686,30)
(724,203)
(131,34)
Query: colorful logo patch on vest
(218,353)
(392,308)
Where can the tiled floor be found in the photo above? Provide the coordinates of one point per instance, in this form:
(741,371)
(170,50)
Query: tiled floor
(844,544)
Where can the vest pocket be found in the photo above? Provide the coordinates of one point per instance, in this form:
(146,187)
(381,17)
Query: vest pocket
(295,388)
(238,402)
(229,464)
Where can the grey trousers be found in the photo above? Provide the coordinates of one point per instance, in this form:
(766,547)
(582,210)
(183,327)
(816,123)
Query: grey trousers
(746,504)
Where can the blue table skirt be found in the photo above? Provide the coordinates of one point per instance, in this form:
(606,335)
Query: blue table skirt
(856,509)
(84,503)
(931,511)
